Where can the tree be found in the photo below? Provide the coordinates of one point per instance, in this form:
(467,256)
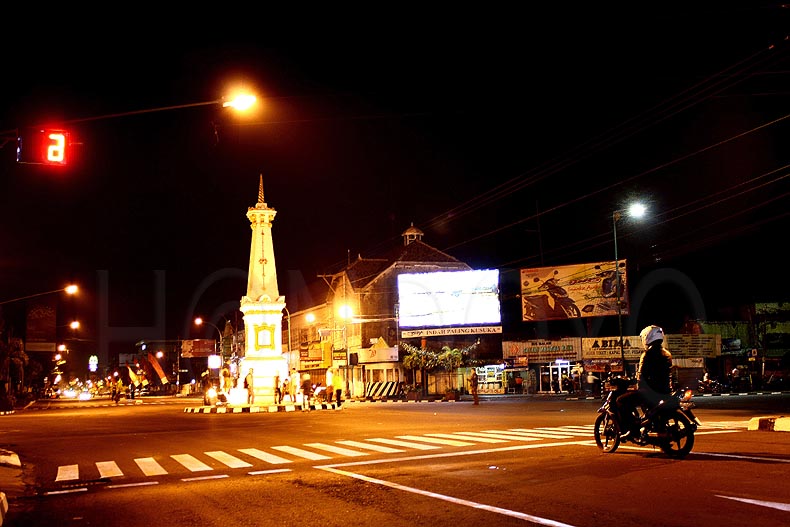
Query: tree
(448,359)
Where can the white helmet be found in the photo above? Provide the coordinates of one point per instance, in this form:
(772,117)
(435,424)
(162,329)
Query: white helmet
(651,334)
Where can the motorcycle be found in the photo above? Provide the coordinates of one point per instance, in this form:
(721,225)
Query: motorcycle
(668,422)
(710,386)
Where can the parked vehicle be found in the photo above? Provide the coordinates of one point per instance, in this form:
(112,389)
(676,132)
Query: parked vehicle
(710,386)
(668,422)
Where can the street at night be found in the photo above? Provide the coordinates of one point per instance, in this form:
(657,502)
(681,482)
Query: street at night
(517,461)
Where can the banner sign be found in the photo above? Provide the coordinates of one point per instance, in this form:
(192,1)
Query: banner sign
(438,332)
(571,291)
(198,348)
(542,351)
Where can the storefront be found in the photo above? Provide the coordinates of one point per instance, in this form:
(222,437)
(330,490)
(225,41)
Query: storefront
(542,365)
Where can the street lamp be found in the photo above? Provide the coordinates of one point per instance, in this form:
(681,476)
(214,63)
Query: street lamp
(240,102)
(290,347)
(70,289)
(346,313)
(199,321)
(636,210)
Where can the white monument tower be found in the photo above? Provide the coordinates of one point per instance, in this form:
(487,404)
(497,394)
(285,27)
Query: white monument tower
(262,306)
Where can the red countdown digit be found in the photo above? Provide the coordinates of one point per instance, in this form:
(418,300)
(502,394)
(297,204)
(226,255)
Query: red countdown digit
(56,147)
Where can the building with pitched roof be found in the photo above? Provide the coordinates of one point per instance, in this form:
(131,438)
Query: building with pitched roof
(355,331)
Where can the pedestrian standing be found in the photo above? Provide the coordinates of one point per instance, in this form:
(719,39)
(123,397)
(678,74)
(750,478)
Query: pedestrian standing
(473,386)
(248,384)
(307,390)
(330,392)
(278,394)
(337,387)
(295,385)
(285,388)
(227,380)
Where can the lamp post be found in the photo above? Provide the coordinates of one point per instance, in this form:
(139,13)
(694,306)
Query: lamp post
(346,313)
(70,289)
(636,210)
(290,347)
(199,321)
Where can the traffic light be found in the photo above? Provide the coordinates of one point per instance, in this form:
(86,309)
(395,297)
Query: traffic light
(43,146)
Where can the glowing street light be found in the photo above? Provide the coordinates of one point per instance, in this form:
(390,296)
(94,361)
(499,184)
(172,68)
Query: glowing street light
(70,290)
(199,322)
(636,210)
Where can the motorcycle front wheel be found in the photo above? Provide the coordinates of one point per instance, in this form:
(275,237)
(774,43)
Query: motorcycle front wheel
(607,433)
(679,436)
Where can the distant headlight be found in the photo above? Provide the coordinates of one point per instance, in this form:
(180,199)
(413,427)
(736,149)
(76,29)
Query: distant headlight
(71,394)
(84,396)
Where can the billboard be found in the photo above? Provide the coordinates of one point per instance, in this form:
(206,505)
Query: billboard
(448,298)
(198,348)
(572,291)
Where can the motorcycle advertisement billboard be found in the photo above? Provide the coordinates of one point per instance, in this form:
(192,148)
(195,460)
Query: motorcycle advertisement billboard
(572,291)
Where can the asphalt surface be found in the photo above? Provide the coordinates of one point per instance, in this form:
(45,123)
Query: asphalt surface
(12,486)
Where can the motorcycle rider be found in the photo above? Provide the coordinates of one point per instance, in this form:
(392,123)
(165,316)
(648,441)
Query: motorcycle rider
(654,376)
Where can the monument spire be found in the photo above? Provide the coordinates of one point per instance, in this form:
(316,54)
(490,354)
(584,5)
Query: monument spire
(262,277)
(263,306)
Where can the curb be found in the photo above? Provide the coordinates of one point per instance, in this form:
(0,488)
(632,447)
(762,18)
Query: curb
(770,424)
(248,409)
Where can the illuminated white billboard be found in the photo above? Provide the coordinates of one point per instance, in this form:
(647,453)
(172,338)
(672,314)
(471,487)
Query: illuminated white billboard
(449,298)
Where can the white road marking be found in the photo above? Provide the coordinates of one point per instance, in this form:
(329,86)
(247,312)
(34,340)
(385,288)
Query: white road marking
(375,448)
(68,472)
(470,438)
(149,466)
(264,456)
(509,437)
(405,444)
(534,432)
(191,463)
(227,459)
(437,440)
(108,469)
(337,449)
(300,453)
(772,504)
(475,505)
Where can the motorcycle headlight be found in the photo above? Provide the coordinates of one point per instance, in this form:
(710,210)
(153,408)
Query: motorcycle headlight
(687,395)
(212,392)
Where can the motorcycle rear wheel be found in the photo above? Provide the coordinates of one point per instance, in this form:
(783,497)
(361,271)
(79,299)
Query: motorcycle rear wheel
(607,433)
(680,436)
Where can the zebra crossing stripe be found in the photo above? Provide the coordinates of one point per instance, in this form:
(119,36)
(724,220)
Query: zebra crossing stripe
(534,432)
(375,448)
(191,463)
(337,449)
(227,459)
(507,437)
(300,452)
(264,456)
(469,438)
(437,440)
(559,430)
(406,444)
(68,472)
(108,469)
(149,466)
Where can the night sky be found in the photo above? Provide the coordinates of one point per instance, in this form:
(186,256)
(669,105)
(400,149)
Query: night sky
(508,138)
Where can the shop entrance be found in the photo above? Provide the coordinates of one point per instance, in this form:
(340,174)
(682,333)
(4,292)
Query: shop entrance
(552,375)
